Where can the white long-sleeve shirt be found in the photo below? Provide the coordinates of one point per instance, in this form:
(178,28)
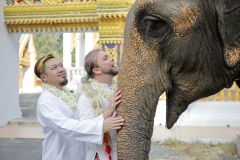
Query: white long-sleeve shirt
(87,112)
(65,137)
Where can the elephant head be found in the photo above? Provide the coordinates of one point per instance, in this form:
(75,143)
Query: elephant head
(188,49)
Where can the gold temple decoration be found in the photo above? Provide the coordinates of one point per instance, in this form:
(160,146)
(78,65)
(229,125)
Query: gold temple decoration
(105,16)
(51,16)
(112,52)
(26,47)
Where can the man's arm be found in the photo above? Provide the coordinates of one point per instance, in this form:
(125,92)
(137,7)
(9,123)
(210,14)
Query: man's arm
(86,110)
(52,117)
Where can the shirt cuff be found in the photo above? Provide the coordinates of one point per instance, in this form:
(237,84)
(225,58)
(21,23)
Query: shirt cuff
(99,118)
(100,126)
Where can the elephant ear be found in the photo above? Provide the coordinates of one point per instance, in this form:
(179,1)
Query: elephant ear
(229,28)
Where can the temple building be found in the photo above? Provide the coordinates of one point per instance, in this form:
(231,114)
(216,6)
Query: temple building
(27,59)
(85,24)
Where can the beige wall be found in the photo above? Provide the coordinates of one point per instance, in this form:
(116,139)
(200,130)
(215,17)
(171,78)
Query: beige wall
(9,96)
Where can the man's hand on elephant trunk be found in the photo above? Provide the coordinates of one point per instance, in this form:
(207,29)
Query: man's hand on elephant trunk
(114,102)
(112,123)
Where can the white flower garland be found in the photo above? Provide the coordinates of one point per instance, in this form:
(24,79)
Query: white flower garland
(65,95)
(93,89)
(100,89)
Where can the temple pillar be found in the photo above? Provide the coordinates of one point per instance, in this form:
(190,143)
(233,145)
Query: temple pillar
(67,56)
(80,51)
(88,42)
(9,65)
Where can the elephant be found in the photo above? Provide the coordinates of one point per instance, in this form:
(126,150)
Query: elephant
(189,49)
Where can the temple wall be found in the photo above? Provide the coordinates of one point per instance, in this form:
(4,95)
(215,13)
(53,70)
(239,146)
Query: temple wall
(217,114)
(9,60)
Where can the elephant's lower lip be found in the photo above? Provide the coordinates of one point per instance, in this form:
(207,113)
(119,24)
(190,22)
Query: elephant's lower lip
(169,126)
(171,120)
(174,111)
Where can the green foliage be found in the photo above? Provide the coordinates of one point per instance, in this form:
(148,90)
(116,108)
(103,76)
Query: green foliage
(49,43)
(197,149)
(229,148)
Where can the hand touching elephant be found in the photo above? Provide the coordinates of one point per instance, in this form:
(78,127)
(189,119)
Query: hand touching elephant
(189,49)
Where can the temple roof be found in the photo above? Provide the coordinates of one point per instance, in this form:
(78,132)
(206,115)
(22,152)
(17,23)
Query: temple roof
(25,49)
(62,15)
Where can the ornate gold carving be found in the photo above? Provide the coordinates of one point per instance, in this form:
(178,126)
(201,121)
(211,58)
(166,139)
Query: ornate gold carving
(113,15)
(23,43)
(110,40)
(111,26)
(53,20)
(20,82)
(106,16)
(96,40)
(116,2)
(52,1)
(54,27)
(112,52)
(52,7)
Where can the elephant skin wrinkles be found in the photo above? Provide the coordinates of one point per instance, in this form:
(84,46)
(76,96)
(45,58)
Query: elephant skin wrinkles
(185,48)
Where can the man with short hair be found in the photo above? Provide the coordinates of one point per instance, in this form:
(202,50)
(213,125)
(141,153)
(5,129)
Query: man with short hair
(98,88)
(64,135)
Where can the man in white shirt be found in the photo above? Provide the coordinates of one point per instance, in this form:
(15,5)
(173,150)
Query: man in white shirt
(65,136)
(98,88)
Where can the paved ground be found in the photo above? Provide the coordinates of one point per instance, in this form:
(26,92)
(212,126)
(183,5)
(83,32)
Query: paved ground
(22,138)
(30,149)
(20,149)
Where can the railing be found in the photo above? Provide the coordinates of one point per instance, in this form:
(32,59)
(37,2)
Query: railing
(230,95)
(74,75)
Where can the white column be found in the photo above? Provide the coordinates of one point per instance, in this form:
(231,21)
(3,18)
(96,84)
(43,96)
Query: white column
(28,79)
(9,63)
(77,52)
(67,57)
(88,42)
(80,51)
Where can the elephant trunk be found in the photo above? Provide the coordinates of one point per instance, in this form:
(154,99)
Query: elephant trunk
(138,110)
(134,139)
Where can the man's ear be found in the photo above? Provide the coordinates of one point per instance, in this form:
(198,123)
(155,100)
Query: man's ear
(43,77)
(96,70)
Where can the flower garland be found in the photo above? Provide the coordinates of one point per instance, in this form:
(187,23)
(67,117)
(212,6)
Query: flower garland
(93,89)
(66,95)
(100,89)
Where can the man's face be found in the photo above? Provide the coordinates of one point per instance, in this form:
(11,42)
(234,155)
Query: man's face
(106,64)
(54,73)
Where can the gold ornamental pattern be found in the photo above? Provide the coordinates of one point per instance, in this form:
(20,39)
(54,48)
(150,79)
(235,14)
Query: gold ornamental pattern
(116,2)
(106,16)
(29,28)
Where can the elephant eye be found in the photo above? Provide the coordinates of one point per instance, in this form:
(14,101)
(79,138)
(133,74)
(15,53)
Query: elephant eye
(151,25)
(154,26)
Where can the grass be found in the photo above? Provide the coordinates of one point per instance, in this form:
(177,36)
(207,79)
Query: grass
(197,150)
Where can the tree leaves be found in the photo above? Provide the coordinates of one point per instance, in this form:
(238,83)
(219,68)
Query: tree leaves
(49,43)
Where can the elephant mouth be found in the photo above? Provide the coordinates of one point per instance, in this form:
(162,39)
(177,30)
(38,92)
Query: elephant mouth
(174,108)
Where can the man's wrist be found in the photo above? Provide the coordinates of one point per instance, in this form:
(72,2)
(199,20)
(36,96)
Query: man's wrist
(107,113)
